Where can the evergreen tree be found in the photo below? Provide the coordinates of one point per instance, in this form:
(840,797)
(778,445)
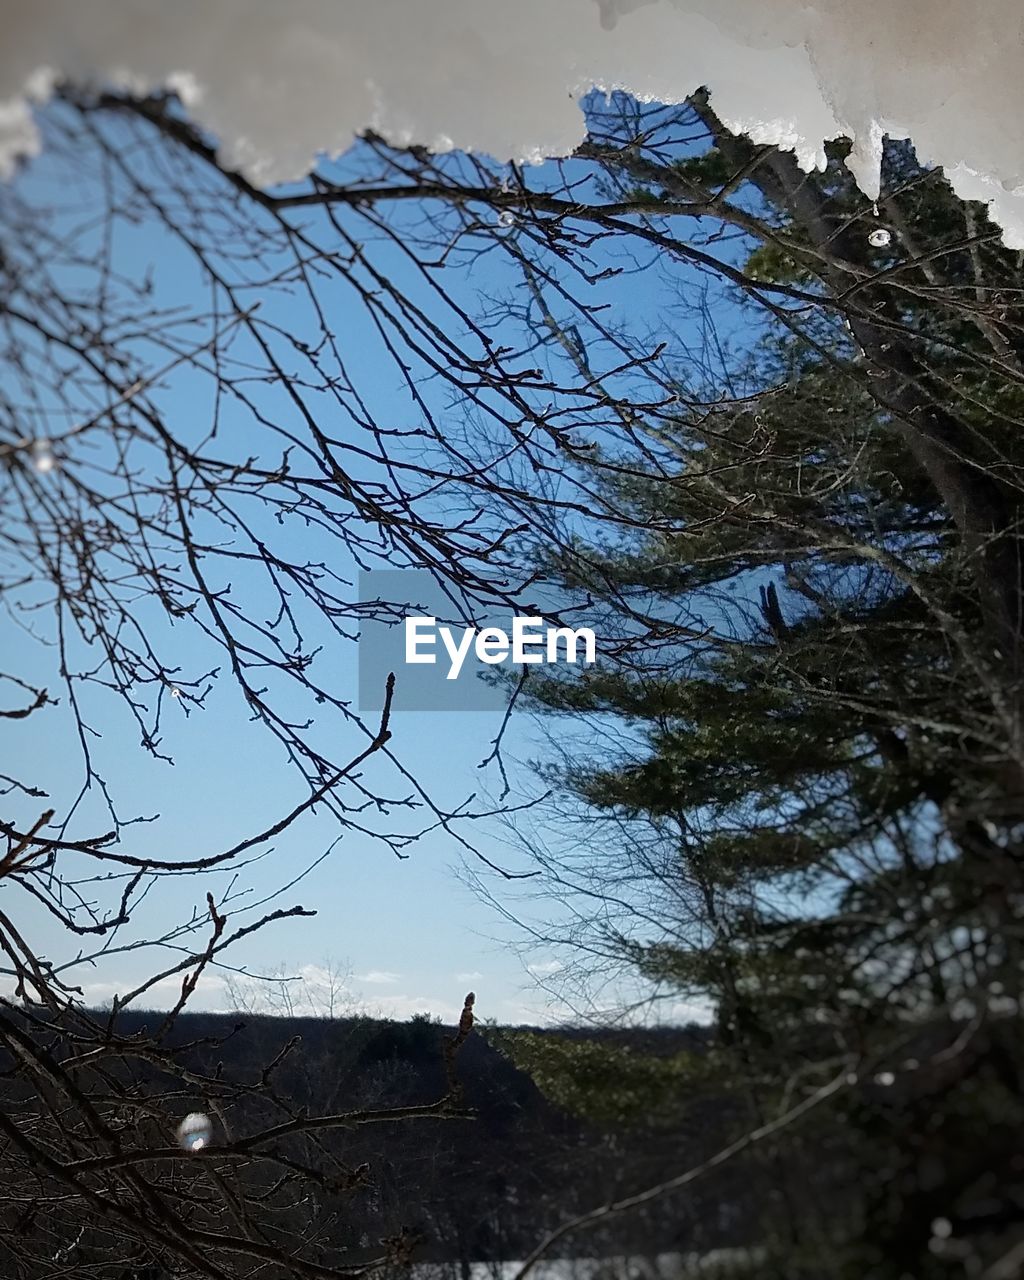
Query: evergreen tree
(825,796)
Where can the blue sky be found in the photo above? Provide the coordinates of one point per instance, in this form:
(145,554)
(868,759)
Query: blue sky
(410,933)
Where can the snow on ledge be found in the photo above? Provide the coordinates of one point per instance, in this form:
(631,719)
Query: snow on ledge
(282,81)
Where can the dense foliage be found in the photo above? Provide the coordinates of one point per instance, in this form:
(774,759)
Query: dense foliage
(815,823)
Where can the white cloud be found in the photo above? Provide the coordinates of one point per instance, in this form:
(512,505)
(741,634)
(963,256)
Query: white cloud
(305,995)
(161,996)
(699,1011)
(378,976)
(475,976)
(545,968)
(404,1006)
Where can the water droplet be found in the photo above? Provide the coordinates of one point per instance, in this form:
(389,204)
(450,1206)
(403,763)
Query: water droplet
(42,457)
(175,692)
(885,1079)
(943,1228)
(506,218)
(195,1131)
(880,238)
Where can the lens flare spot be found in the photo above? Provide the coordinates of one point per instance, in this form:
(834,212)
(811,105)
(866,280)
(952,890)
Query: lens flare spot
(195,1131)
(42,457)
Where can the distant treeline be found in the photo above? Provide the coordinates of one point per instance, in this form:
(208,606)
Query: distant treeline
(480,1189)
